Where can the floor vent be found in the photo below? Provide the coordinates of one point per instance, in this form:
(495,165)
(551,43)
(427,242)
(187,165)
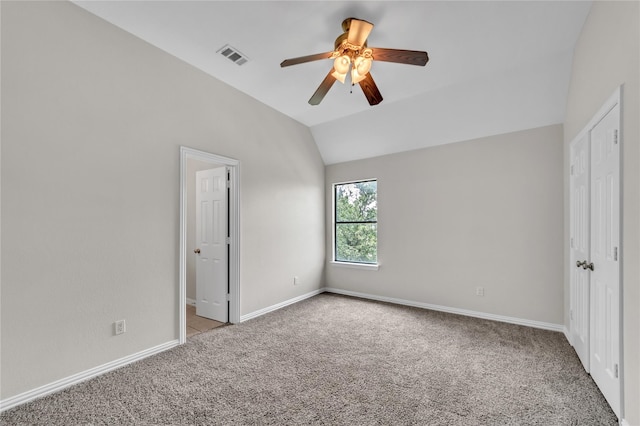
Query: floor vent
(233,54)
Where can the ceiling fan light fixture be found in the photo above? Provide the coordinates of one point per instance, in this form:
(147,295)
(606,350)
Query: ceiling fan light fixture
(339,76)
(362,65)
(360,69)
(356,77)
(341,64)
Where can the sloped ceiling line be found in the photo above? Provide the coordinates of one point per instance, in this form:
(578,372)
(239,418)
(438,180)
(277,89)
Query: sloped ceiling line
(494,67)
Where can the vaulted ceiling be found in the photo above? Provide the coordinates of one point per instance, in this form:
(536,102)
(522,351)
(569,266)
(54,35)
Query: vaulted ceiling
(494,66)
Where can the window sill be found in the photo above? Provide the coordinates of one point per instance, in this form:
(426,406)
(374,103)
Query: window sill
(365,266)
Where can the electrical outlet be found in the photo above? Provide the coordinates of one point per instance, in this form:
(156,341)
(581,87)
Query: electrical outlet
(120,327)
(296,280)
(479,291)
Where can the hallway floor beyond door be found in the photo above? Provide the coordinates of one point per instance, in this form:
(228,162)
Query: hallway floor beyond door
(196,324)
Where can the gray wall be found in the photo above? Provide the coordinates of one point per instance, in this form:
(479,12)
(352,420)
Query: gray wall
(486,212)
(605,57)
(92,122)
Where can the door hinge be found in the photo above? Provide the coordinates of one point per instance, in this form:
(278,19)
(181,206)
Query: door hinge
(228,297)
(571,242)
(615,253)
(615,136)
(572,169)
(228,240)
(615,370)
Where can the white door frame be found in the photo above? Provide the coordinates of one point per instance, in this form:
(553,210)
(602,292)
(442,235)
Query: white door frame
(234,231)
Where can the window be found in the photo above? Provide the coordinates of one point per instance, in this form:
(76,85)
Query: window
(356,222)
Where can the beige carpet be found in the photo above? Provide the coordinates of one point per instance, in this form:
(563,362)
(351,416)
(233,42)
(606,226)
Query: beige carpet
(336,360)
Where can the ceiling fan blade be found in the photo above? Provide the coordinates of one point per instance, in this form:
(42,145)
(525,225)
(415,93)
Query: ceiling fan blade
(308,58)
(322,90)
(411,57)
(370,90)
(359,31)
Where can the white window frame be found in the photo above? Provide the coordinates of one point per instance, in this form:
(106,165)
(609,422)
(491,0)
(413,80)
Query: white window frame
(342,263)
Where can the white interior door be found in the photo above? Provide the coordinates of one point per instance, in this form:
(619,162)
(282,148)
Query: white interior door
(579,247)
(605,243)
(211,239)
(595,230)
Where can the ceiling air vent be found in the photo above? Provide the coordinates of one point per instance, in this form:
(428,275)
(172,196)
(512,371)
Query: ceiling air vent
(233,54)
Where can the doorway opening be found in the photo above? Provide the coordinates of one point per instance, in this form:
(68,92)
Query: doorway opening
(228,252)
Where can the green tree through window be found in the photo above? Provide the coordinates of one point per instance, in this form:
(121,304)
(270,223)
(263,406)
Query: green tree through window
(356,222)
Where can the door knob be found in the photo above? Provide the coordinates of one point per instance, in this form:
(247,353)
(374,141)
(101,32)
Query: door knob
(579,264)
(197,251)
(588,265)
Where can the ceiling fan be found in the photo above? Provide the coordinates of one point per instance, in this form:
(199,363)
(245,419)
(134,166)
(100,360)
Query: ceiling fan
(352,54)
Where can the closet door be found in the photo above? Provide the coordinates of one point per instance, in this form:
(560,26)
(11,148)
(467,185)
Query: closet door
(594,270)
(604,265)
(580,229)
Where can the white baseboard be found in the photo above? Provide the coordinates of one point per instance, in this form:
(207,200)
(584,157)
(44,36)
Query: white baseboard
(465,312)
(280,305)
(93,372)
(191,301)
(511,320)
(58,385)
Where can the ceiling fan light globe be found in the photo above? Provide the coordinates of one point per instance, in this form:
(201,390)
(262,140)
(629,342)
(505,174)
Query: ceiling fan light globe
(339,76)
(356,77)
(362,65)
(341,64)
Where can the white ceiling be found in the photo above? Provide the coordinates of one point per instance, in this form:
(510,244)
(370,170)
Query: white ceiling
(494,66)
